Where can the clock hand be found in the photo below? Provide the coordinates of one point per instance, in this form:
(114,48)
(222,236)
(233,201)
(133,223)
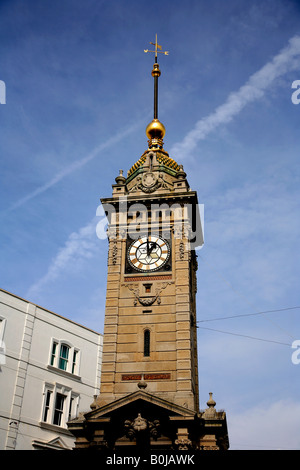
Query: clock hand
(153,255)
(148,252)
(153,245)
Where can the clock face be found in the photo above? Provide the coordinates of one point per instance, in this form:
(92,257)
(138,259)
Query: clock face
(148,253)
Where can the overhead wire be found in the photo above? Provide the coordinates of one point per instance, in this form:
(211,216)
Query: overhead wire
(247,314)
(244,315)
(244,336)
(242,295)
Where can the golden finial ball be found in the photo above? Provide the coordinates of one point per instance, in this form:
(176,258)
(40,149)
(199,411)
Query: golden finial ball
(155,130)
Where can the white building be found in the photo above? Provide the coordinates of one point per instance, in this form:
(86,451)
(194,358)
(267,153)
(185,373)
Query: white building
(49,372)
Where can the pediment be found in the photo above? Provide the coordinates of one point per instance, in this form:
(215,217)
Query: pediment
(140,401)
(55,444)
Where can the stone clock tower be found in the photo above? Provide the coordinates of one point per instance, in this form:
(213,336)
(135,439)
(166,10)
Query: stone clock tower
(149,394)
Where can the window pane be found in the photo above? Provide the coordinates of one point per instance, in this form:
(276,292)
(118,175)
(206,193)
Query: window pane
(53,353)
(71,408)
(58,411)
(63,357)
(64,351)
(74,362)
(47,405)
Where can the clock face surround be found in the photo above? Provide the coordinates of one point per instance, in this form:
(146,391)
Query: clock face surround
(147,254)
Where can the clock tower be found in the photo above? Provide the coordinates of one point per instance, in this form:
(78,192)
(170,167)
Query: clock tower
(149,382)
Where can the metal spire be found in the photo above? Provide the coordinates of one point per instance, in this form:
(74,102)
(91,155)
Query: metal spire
(156,73)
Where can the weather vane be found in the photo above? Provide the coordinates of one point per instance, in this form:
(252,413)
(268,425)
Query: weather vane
(155,74)
(157,46)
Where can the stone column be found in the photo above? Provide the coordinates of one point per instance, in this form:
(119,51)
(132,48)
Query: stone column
(184,395)
(109,355)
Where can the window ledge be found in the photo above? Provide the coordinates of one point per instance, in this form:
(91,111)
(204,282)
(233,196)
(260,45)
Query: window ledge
(64,373)
(55,428)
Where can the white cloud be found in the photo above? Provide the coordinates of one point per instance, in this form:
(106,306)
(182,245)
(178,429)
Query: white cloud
(286,60)
(75,166)
(266,426)
(260,230)
(255,382)
(79,246)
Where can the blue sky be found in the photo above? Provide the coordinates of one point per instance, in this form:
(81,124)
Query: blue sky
(79,95)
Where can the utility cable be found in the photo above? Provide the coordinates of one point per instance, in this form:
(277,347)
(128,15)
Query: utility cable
(244,336)
(242,296)
(247,314)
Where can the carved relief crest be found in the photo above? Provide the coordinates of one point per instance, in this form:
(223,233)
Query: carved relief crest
(150,182)
(140,425)
(147,300)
